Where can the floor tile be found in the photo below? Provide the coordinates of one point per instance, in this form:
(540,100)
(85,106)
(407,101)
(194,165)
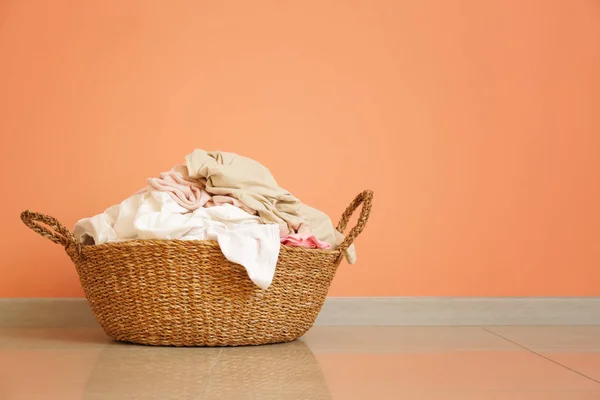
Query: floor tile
(48,374)
(586,363)
(130,372)
(355,375)
(402,339)
(53,338)
(116,372)
(553,338)
(378,363)
(481,395)
(287,371)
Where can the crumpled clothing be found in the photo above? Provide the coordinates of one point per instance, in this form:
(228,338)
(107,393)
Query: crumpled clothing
(228,174)
(307,240)
(253,184)
(323,229)
(242,237)
(189,192)
(222,200)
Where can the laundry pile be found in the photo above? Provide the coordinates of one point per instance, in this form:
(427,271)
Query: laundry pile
(219,196)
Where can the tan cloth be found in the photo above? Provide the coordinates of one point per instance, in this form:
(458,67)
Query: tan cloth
(189,192)
(323,229)
(229,174)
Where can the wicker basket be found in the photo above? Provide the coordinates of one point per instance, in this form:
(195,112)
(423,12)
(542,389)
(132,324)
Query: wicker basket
(186,293)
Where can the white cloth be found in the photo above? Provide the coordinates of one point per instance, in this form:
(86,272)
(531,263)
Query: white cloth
(155,215)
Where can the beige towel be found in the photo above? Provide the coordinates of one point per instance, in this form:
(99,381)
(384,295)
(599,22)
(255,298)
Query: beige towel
(323,229)
(228,174)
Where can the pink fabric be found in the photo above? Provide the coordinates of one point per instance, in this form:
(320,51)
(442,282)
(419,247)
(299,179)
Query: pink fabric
(189,192)
(304,240)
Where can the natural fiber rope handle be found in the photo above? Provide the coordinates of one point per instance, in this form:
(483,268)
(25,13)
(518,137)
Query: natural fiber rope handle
(59,235)
(366,199)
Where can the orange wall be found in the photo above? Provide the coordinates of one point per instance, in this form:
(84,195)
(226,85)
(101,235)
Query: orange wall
(477,124)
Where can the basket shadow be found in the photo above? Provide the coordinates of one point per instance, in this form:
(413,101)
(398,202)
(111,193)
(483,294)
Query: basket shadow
(288,370)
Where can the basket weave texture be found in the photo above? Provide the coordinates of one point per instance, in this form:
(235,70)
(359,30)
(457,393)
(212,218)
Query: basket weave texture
(186,293)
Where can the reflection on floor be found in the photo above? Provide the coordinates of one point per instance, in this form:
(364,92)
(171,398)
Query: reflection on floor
(345,363)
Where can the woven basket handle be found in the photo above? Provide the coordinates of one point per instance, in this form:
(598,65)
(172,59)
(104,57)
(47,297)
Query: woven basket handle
(59,233)
(366,199)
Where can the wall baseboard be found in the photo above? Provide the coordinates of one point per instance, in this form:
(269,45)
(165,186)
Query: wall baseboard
(356,311)
(445,311)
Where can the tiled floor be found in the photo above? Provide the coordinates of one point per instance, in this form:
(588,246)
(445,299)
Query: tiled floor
(529,363)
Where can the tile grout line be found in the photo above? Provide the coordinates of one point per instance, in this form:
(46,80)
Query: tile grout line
(210,372)
(540,355)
